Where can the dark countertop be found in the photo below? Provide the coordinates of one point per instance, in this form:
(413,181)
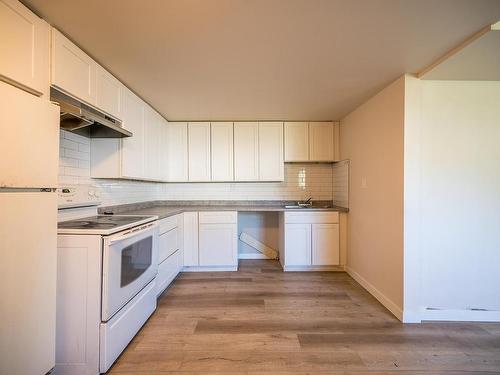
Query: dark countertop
(164,209)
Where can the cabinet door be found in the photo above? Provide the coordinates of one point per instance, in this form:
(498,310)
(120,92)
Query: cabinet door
(177,152)
(190,238)
(25,45)
(108,92)
(199,151)
(321,141)
(271,165)
(297,244)
(218,245)
(72,69)
(246,151)
(325,244)
(152,144)
(132,112)
(296,141)
(222,151)
(163,149)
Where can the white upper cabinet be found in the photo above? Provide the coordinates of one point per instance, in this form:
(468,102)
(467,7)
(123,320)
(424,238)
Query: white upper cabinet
(199,151)
(152,135)
(25,47)
(132,113)
(321,141)
(177,147)
(221,140)
(271,165)
(164,154)
(246,151)
(296,141)
(72,69)
(108,92)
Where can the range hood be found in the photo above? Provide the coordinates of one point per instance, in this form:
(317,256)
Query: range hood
(82,119)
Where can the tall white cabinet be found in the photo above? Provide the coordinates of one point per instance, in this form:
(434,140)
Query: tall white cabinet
(25,48)
(221,141)
(199,151)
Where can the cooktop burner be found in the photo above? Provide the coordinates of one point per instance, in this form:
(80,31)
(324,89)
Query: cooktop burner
(103,222)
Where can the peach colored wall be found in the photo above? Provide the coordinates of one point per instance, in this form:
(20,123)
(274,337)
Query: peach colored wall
(372,137)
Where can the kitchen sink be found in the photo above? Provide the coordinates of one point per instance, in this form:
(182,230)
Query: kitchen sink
(307,207)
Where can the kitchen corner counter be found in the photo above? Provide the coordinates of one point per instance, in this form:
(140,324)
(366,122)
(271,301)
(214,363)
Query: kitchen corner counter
(164,209)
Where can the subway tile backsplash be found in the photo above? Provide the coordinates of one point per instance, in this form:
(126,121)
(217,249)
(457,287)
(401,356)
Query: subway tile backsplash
(301,181)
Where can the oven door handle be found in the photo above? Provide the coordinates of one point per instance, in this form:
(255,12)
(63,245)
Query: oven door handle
(132,233)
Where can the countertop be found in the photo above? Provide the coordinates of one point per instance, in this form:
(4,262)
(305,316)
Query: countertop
(164,209)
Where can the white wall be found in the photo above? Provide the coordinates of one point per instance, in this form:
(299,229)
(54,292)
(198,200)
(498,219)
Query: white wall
(372,138)
(452,210)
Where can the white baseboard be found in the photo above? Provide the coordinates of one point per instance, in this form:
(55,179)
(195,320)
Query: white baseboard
(384,300)
(252,256)
(209,269)
(313,268)
(461,315)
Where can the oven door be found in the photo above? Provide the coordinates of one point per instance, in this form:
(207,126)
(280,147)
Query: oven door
(130,262)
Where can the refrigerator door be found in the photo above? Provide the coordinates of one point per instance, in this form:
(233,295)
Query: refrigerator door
(28,268)
(29,140)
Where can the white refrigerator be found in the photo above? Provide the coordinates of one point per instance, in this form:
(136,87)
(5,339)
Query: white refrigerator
(29,148)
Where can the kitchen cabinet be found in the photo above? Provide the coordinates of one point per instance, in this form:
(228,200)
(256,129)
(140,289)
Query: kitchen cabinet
(296,141)
(72,70)
(25,41)
(218,240)
(221,141)
(271,164)
(132,113)
(169,251)
(190,238)
(152,136)
(311,141)
(177,149)
(122,158)
(199,151)
(311,240)
(218,245)
(246,151)
(325,244)
(321,141)
(298,244)
(108,92)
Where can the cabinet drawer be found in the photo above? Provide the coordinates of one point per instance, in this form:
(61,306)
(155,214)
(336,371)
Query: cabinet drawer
(218,217)
(168,270)
(168,244)
(312,217)
(169,223)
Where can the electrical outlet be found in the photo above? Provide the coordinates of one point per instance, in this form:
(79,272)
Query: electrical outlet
(363,183)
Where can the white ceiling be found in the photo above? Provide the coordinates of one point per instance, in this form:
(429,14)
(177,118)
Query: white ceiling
(264,59)
(477,61)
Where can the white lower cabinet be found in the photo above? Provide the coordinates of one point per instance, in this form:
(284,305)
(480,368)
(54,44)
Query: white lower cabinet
(298,244)
(210,241)
(325,244)
(311,240)
(218,245)
(170,249)
(190,239)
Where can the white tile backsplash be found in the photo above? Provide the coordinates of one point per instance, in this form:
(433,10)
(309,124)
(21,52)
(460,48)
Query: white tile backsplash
(301,181)
(340,183)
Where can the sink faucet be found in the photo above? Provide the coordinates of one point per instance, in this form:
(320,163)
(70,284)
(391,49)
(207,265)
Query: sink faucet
(308,200)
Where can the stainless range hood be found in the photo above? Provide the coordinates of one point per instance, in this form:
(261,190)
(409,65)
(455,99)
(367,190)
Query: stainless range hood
(82,119)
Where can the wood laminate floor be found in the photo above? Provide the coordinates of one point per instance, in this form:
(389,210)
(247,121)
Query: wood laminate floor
(262,321)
